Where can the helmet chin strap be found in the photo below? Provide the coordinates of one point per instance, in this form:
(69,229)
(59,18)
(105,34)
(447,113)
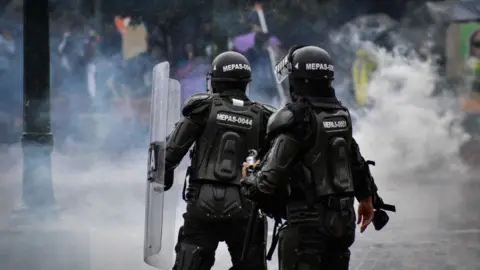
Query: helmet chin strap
(293,95)
(208,83)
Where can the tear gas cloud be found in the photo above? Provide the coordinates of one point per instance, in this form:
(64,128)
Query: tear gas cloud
(101,192)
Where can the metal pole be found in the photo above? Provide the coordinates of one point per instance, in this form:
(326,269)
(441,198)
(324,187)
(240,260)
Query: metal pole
(271,54)
(37,140)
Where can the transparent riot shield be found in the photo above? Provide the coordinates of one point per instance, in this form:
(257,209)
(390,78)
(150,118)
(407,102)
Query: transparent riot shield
(160,232)
(174,104)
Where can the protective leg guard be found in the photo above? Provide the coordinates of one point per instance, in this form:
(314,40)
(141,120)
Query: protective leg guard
(179,240)
(255,257)
(193,257)
(287,249)
(293,256)
(337,260)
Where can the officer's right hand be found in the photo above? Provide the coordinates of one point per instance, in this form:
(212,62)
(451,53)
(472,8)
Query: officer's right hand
(249,168)
(365,213)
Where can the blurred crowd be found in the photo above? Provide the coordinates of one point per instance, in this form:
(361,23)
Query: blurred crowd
(102,68)
(103,52)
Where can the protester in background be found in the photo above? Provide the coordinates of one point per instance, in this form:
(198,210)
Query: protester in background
(10,92)
(263,86)
(76,54)
(191,72)
(473,62)
(141,69)
(111,42)
(7,50)
(206,42)
(89,51)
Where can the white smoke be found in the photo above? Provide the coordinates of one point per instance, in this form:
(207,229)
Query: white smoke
(408,129)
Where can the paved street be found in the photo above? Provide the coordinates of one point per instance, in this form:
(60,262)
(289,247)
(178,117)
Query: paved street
(437,225)
(433,229)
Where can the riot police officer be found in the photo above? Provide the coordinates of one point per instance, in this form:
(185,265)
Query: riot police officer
(222,124)
(315,159)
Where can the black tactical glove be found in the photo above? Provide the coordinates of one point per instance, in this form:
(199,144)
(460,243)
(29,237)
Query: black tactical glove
(249,187)
(168,179)
(380,218)
(251,190)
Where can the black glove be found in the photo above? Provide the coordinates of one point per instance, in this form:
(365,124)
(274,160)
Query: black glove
(249,186)
(268,203)
(380,219)
(168,179)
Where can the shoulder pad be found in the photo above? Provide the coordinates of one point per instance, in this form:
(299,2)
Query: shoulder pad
(348,112)
(269,109)
(196,103)
(283,118)
(197,99)
(343,106)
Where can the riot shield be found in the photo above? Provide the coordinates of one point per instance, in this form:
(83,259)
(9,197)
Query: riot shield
(160,232)
(174,103)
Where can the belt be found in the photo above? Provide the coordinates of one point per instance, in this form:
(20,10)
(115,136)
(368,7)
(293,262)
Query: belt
(337,203)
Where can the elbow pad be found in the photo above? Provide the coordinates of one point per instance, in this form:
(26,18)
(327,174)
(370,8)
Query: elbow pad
(180,141)
(280,158)
(363,181)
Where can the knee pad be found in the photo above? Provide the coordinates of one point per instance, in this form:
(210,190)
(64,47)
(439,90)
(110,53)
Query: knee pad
(287,246)
(342,256)
(338,260)
(256,258)
(193,257)
(180,238)
(263,229)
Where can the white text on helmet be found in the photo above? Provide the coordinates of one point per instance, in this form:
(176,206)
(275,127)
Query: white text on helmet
(318,66)
(236,67)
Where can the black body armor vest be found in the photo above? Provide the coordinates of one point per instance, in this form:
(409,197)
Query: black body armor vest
(327,164)
(230,132)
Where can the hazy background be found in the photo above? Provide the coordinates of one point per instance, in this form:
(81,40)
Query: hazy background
(100,82)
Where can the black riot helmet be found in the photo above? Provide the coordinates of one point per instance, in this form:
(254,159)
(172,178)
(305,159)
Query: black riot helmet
(309,70)
(311,62)
(229,70)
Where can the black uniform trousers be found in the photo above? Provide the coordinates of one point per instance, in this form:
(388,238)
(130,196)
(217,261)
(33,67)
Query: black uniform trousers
(215,214)
(317,238)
